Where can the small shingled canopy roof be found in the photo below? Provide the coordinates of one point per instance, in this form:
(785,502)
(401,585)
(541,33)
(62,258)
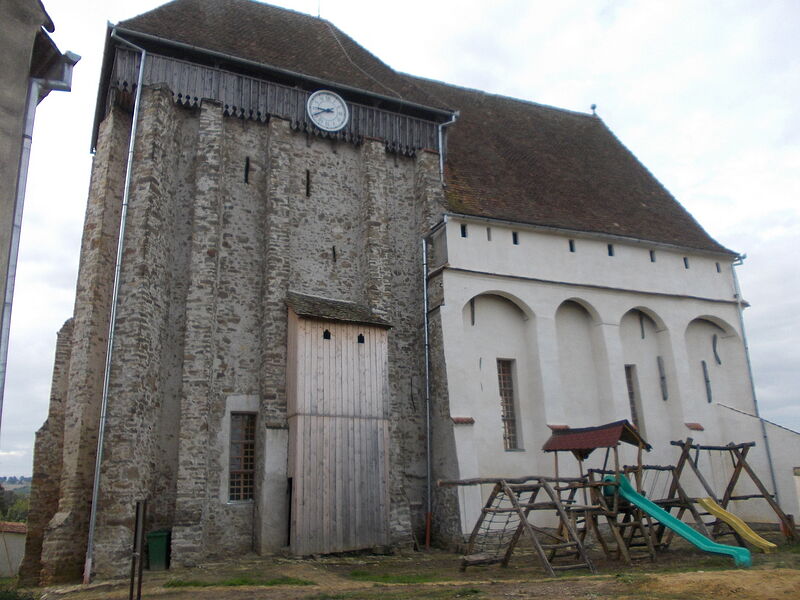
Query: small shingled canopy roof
(582,441)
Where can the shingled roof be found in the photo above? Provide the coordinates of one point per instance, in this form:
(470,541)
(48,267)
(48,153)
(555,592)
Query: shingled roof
(506,158)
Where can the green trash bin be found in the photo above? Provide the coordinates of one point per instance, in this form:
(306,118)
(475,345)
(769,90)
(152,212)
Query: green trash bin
(158,550)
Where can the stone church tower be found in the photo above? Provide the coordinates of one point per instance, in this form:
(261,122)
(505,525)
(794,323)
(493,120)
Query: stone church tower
(261,194)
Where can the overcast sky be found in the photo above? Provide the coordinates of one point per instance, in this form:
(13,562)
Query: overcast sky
(706,94)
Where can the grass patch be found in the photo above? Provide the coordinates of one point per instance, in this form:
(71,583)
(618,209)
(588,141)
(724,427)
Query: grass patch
(394,578)
(236,582)
(405,594)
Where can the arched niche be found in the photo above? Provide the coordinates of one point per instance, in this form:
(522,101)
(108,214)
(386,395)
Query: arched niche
(717,364)
(580,358)
(647,364)
(497,380)
(496,297)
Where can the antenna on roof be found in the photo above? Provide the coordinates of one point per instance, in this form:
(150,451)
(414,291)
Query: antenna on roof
(594,107)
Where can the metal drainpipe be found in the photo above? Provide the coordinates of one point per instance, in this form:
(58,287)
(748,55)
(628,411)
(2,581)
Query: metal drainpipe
(35,88)
(429,454)
(441,144)
(87,568)
(738,294)
(429,507)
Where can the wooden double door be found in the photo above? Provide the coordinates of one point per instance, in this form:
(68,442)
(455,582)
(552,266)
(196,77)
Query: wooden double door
(337,390)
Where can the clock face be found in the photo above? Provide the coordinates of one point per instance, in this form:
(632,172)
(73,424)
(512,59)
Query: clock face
(327,110)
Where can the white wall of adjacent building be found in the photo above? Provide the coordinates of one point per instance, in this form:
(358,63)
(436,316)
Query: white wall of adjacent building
(584,323)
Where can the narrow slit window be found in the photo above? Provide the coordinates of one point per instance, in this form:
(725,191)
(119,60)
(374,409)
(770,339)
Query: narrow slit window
(707,380)
(632,382)
(652,256)
(308,183)
(463,231)
(515,238)
(662,378)
(685,262)
(472,311)
(242,465)
(611,249)
(488,234)
(572,245)
(505,378)
(719,269)
(247,169)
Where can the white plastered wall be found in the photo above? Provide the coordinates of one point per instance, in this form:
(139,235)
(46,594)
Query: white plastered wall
(539,275)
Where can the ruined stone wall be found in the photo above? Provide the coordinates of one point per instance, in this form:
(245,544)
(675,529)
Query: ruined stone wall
(47,457)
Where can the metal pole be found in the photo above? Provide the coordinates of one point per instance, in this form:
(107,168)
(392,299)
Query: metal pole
(87,568)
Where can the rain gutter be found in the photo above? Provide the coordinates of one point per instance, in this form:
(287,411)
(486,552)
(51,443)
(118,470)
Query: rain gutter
(37,89)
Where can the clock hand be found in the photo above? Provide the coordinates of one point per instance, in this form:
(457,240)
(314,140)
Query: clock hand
(322,110)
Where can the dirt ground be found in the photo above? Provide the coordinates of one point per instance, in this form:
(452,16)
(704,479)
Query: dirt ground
(678,573)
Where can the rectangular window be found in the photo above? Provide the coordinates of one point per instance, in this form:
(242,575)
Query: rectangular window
(515,238)
(652,256)
(572,245)
(505,378)
(488,234)
(463,231)
(685,262)
(611,249)
(243,457)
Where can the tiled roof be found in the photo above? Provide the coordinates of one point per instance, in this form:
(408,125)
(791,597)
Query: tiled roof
(506,158)
(583,440)
(13,527)
(521,161)
(277,37)
(333,310)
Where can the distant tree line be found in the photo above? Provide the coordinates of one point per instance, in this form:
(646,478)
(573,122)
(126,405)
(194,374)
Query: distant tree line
(13,480)
(14,503)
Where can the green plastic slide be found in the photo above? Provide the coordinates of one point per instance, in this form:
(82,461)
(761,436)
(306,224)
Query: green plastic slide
(741,556)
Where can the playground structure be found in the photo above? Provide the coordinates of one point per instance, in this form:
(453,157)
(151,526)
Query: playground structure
(637,512)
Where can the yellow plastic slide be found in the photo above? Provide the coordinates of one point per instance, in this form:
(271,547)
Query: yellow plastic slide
(750,536)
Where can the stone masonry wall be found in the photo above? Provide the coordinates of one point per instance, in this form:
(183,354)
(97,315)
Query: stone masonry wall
(135,459)
(225,217)
(47,458)
(64,544)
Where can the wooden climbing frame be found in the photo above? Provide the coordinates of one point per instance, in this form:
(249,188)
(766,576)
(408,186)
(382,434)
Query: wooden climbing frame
(504,520)
(738,454)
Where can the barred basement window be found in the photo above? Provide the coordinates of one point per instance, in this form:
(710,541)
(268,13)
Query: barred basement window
(243,457)
(505,378)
